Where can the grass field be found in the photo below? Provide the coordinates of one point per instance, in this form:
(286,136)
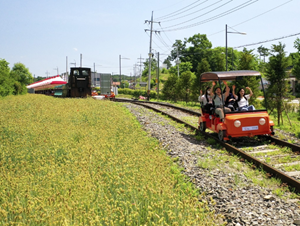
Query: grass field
(87,162)
(291,122)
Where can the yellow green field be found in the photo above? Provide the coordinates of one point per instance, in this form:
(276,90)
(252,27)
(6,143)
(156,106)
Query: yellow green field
(87,162)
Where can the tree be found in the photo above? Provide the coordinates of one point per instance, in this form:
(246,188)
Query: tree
(277,76)
(296,59)
(22,77)
(170,88)
(247,61)
(297,44)
(168,62)
(191,50)
(203,66)
(263,51)
(198,47)
(296,68)
(184,84)
(39,78)
(218,61)
(6,83)
(179,48)
(146,67)
(183,67)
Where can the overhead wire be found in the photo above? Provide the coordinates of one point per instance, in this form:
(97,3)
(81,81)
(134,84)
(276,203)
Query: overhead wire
(214,17)
(155,43)
(201,14)
(193,12)
(159,18)
(183,11)
(162,41)
(169,6)
(271,40)
(253,17)
(165,34)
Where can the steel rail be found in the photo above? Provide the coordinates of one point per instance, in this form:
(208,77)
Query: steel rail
(293,147)
(260,165)
(162,104)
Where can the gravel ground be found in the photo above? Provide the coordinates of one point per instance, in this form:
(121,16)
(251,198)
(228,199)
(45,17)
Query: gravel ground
(286,136)
(228,191)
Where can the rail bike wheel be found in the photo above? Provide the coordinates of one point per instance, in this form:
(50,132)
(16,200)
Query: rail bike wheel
(221,135)
(202,126)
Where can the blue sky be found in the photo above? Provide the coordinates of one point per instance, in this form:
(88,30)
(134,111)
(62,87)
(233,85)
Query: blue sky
(41,34)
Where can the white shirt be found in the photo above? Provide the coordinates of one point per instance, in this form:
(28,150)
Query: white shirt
(203,99)
(243,102)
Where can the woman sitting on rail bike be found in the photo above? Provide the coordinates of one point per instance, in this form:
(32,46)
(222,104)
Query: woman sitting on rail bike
(205,100)
(242,99)
(219,100)
(230,101)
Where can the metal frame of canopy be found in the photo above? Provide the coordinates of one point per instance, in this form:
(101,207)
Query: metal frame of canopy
(229,76)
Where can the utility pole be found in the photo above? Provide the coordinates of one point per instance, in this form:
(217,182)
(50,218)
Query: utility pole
(47,73)
(134,74)
(141,67)
(150,52)
(134,69)
(177,62)
(56,70)
(80,59)
(66,78)
(74,63)
(120,69)
(157,79)
(95,80)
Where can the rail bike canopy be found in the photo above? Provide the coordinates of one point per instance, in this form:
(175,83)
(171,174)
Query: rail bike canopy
(226,75)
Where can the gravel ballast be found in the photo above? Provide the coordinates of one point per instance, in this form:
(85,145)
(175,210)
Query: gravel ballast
(229,192)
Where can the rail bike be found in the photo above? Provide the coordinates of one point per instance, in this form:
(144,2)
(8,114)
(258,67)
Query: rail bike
(235,123)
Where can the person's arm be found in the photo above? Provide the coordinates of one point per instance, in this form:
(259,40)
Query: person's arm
(200,97)
(227,90)
(212,90)
(233,92)
(249,91)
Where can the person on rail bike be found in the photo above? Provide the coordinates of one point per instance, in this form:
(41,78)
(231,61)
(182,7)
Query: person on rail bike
(205,100)
(230,101)
(219,100)
(242,99)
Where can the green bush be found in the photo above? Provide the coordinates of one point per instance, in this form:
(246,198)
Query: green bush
(137,93)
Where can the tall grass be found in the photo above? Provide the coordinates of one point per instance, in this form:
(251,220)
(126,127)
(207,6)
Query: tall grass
(87,162)
(291,122)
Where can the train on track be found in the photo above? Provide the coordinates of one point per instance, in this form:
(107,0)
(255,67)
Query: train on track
(234,123)
(78,85)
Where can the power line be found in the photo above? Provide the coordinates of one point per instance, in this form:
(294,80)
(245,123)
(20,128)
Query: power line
(215,17)
(257,43)
(184,12)
(194,12)
(253,17)
(177,10)
(169,6)
(163,41)
(165,34)
(158,46)
(201,15)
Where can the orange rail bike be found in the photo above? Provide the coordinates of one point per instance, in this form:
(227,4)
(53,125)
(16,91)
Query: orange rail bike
(235,123)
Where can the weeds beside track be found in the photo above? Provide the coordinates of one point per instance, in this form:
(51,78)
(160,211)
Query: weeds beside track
(87,162)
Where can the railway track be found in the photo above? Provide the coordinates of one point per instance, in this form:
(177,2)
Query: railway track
(283,156)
